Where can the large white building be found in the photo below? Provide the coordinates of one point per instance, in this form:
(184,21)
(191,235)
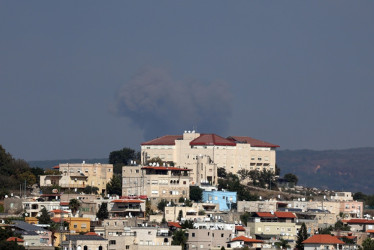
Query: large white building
(232,153)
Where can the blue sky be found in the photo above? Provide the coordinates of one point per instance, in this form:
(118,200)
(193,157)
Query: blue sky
(84,78)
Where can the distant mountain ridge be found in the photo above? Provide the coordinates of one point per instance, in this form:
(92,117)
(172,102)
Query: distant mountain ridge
(340,170)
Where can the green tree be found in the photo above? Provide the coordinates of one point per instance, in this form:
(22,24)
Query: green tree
(37,172)
(103,213)
(326,230)
(277,170)
(291,178)
(188,203)
(10,245)
(148,208)
(245,217)
(359,196)
(368,244)
(114,187)
(162,204)
(122,157)
(244,174)
(180,215)
(339,226)
(282,244)
(179,238)
(301,236)
(221,172)
(196,193)
(5,233)
(91,190)
(5,159)
(232,183)
(187,224)
(44,218)
(74,205)
(27,177)
(156,160)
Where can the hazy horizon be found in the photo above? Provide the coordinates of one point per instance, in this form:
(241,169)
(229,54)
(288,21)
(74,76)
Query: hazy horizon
(82,79)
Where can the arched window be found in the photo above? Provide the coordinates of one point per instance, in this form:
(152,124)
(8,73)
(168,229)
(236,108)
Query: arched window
(85,248)
(166,240)
(100,248)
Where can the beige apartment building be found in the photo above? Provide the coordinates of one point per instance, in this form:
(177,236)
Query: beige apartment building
(346,208)
(156,182)
(232,153)
(279,224)
(79,175)
(208,238)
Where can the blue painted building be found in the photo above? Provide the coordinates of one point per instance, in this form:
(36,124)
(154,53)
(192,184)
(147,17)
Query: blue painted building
(225,199)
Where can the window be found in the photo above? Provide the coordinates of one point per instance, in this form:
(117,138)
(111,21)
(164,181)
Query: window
(112,242)
(75,225)
(127,247)
(222,235)
(193,234)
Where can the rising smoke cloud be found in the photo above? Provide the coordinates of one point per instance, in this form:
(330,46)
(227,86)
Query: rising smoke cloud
(159,105)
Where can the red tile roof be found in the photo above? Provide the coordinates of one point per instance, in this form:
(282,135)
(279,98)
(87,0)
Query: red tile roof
(322,239)
(15,239)
(59,211)
(370,231)
(91,233)
(166,168)
(245,239)
(253,142)
(265,215)
(285,215)
(174,224)
(359,221)
(57,219)
(127,201)
(210,140)
(56,167)
(239,228)
(164,140)
(64,203)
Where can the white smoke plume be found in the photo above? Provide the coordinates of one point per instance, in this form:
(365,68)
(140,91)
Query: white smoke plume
(160,105)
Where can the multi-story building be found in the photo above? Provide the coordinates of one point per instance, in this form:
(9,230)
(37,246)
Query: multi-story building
(208,238)
(77,176)
(225,199)
(278,224)
(197,212)
(86,241)
(33,208)
(346,209)
(156,182)
(232,153)
(127,208)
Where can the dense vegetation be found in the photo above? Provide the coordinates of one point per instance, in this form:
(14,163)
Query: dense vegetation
(16,173)
(342,170)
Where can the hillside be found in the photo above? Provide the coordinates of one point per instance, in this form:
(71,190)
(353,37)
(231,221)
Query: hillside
(349,169)
(341,170)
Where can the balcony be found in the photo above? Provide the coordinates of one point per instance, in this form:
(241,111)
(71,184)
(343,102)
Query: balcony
(67,185)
